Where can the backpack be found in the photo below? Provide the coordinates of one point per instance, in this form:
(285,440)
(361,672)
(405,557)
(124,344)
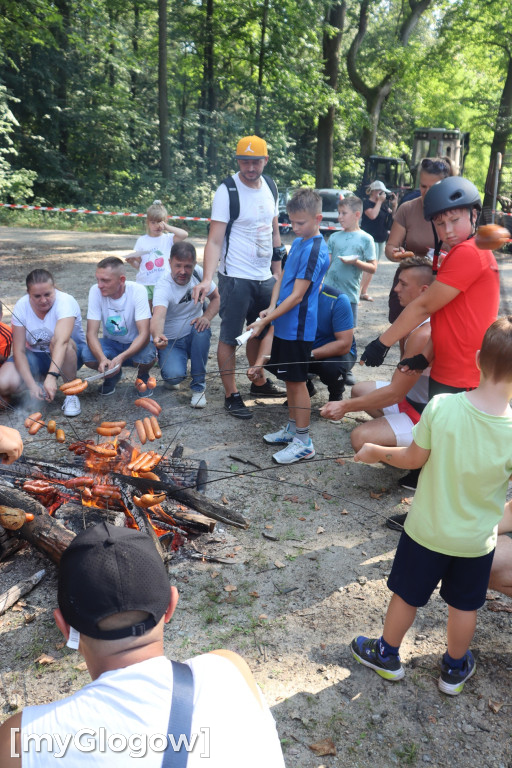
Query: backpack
(234,202)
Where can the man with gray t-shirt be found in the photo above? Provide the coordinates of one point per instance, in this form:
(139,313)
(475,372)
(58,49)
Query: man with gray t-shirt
(250,252)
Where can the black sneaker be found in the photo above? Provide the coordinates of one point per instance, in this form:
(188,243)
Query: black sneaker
(410,480)
(366,651)
(268,389)
(236,407)
(336,394)
(396,522)
(349,379)
(452,680)
(108,387)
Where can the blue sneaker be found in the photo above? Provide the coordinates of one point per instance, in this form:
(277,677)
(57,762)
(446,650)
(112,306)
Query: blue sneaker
(108,387)
(452,680)
(366,651)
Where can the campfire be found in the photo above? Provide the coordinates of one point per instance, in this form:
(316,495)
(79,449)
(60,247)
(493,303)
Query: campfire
(111,480)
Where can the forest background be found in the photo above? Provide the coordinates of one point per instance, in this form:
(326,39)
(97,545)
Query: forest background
(110,103)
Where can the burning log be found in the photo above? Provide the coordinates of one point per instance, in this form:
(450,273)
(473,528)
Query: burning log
(43,532)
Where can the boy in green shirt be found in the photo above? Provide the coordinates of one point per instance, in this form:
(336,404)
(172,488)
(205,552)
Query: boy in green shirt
(463,443)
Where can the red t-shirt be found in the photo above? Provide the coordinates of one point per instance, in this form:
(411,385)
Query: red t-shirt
(459,327)
(5,341)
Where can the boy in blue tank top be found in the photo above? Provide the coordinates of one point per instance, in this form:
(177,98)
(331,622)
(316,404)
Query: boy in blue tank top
(293,313)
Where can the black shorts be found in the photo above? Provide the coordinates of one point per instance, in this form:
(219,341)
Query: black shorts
(417,571)
(289,360)
(241,301)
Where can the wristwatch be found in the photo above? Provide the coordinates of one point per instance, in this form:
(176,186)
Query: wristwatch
(53,373)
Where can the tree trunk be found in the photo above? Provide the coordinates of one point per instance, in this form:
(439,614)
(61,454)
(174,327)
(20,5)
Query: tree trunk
(325,132)
(207,104)
(502,131)
(163,100)
(261,67)
(376,95)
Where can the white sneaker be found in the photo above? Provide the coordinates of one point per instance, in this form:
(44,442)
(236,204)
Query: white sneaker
(279,438)
(198,400)
(71,406)
(295,451)
(170,386)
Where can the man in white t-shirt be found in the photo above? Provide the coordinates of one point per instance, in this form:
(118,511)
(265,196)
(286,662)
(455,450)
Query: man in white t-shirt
(121,307)
(180,328)
(114,601)
(250,252)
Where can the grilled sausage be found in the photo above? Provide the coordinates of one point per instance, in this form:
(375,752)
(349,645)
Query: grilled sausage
(77,389)
(150,405)
(79,482)
(103,449)
(140,385)
(33,417)
(60,436)
(151,382)
(121,424)
(149,500)
(156,427)
(108,431)
(35,427)
(149,429)
(141,432)
(70,384)
(51,426)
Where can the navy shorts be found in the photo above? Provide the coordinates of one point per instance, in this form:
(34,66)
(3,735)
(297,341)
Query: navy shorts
(417,571)
(289,360)
(241,300)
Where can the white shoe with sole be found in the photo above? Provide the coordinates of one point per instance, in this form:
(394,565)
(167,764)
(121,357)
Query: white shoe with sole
(295,451)
(71,406)
(198,400)
(283,437)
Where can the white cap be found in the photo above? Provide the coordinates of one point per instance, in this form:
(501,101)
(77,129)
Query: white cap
(378,185)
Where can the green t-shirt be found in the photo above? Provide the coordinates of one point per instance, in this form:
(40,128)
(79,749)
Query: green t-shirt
(347,277)
(462,487)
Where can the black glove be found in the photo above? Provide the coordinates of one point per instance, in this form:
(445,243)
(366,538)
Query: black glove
(278,253)
(374,353)
(416,363)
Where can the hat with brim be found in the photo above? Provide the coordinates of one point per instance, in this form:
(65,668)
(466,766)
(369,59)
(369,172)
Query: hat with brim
(251,147)
(378,185)
(108,570)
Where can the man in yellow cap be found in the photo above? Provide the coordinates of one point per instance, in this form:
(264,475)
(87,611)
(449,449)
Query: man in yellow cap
(244,236)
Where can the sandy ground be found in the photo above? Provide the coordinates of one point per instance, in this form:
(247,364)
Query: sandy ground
(301,595)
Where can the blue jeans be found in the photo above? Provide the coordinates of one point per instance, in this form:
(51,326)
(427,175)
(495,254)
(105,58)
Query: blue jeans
(173,359)
(113,348)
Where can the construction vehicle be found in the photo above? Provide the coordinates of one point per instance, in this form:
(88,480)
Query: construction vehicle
(401,175)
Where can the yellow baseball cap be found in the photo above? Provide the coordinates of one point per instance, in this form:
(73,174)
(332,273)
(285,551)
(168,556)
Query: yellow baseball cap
(252,146)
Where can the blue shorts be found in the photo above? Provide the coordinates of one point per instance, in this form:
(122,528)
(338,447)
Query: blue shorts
(39,361)
(289,360)
(417,571)
(113,348)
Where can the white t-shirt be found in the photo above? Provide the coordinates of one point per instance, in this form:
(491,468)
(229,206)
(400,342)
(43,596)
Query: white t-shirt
(155,263)
(169,294)
(39,333)
(232,728)
(250,240)
(119,315)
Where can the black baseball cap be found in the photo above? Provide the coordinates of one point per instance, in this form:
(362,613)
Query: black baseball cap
(108,570)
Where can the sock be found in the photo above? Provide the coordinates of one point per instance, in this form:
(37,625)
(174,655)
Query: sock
(385,649)
(453,663)
(292,426)
(302,433)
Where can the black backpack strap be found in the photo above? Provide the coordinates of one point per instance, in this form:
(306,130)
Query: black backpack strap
(234,211)
(271,185)
(180,719)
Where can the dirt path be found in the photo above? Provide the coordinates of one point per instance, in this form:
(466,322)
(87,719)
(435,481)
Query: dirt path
(301,595)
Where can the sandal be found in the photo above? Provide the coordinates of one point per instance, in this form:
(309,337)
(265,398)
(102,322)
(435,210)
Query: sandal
(365,297)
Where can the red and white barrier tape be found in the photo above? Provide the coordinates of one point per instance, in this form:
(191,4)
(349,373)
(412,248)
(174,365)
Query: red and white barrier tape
(112,213)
